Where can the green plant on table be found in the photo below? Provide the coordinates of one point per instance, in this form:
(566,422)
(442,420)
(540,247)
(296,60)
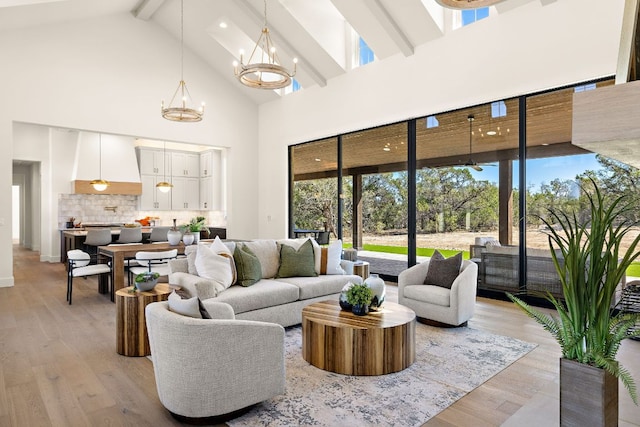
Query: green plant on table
(359,294)
(148,276)
(196,225)
(588,329)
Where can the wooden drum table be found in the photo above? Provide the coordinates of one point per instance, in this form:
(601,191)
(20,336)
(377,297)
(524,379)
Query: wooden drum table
(131,326)
(376,344)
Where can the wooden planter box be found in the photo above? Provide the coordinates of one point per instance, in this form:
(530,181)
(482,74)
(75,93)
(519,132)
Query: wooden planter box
(588,395)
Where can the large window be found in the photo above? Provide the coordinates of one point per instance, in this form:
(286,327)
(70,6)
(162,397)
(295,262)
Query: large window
(484,175)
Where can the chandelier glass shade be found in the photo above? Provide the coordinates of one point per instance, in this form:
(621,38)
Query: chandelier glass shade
(99,184)
(177,110)
(263,70)
(164,186)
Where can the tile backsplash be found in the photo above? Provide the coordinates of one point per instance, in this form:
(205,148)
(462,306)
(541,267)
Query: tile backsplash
(106,208)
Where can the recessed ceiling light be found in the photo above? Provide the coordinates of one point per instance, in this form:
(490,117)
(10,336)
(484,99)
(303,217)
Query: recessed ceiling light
(387,149)
(317,159)
(223,25)
(491,132)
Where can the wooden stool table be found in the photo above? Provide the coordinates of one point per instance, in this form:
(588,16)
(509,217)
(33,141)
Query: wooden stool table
(131,326)
(376,344)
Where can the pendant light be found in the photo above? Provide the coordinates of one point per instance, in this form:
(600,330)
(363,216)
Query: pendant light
(164,186)
(100,184)
(471,163)
(180,112)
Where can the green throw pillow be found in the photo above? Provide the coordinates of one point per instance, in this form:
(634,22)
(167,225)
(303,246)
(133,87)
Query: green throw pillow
(297,263)
(248,268)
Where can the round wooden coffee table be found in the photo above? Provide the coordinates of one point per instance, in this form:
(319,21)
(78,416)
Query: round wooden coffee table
(376,344)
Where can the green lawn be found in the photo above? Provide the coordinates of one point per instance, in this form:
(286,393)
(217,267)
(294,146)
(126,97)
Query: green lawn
(633,271)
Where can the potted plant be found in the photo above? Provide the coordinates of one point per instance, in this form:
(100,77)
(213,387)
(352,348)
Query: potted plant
(174,235)
(591,263)
(145,281)
(359,296)
(195,226)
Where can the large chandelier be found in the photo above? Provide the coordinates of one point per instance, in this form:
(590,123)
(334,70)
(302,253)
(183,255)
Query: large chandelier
(179,112)
(268,73)
(467,4)
(99,184)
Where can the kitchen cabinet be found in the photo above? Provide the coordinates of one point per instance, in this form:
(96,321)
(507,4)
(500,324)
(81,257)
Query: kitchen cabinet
(210,194)
(211,180)
(152,198)
(185,193)
(185,164)
(153,161)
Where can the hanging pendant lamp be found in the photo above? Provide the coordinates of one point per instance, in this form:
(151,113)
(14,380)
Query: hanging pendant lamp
(99,184)
(178,111)
(164,186)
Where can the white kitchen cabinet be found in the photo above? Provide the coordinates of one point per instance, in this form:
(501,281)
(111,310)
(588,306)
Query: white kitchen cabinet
(210,194)
(185,164)
(153,161)
(152,198)
(185,193)
(211,180)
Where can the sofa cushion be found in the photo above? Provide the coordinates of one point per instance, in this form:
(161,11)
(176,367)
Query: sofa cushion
(443,271)
(297,262)
(312,287)
(267,252)
(264,293)
(214,265)
(428,293)
(248,267)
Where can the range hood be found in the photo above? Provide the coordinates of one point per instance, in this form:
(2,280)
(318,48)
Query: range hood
(110,157)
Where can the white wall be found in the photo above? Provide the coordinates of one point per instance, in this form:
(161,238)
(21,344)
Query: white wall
(109,75)
(526,49)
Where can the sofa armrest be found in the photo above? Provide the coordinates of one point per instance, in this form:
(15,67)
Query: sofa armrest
(178,265)
(196,286)
(218,310)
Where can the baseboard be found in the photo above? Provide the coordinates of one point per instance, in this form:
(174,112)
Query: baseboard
(6,282)
(49,258)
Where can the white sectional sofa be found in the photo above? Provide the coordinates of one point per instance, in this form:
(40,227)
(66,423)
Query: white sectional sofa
(271,299)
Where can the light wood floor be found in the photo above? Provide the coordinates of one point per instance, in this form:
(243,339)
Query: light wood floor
(58,364)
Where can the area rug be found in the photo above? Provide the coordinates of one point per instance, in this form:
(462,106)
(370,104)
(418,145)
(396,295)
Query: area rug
(450,362)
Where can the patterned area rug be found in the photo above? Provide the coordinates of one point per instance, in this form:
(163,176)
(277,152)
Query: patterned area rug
(450,362)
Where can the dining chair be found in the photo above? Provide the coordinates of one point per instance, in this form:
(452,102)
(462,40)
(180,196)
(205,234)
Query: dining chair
(130,235)
(152,261)
(79,265)
(159,234)
(96,237)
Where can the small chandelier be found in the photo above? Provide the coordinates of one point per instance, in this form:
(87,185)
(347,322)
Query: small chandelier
(100,184)
(164,186)
(467,4)
(180,112)
(267,74)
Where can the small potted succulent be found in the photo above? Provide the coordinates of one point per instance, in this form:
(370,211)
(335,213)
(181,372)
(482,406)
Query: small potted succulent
(195,226)
(359,296)
(145,281)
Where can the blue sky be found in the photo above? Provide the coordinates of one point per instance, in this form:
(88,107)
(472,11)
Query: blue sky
(544,170)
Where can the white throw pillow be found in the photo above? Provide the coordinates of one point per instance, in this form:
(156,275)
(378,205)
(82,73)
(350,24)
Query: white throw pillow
(333,258)
(217,246)
(268,254)
(187,307)
(214,266)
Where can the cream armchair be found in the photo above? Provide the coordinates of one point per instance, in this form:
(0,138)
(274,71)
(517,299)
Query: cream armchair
(450,306)
(214,367)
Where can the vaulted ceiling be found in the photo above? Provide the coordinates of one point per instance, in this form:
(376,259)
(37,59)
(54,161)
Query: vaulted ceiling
(316,32)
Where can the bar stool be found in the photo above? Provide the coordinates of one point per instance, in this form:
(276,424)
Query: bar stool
(96,237)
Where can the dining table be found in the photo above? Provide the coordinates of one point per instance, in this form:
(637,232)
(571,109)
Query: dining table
(119,254)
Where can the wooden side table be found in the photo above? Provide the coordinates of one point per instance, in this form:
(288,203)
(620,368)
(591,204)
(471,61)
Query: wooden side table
(131,327)
(361,268)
